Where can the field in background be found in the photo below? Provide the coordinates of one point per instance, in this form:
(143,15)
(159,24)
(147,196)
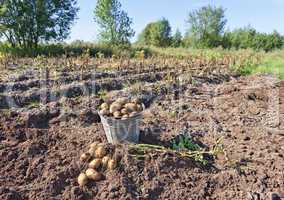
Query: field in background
(245,62)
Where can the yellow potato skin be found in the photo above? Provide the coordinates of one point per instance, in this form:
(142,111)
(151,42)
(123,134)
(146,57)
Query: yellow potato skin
(93,175)
(82,179)
(100,152)
(85,157)
(105,160)
(111,165)
(95,164)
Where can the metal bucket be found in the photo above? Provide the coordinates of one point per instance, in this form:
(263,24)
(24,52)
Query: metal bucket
(119,131)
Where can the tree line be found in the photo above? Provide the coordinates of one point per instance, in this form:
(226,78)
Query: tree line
(27,23)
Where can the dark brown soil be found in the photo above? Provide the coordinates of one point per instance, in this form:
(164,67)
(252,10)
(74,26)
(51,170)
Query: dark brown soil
(40,146)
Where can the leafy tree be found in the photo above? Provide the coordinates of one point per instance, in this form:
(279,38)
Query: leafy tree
(248,37)
(267,42)
(177,39)
(276,39)
(156,34)
(206,26)
(241,38)
(114,23)
(27,22)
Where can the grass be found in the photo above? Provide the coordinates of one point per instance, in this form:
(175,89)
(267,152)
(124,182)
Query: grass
(273,63)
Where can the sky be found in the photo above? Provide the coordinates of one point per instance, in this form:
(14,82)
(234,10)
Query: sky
(263,15)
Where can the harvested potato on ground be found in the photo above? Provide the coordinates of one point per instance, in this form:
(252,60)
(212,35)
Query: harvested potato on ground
(131,107)
(92,151)
(111,164)
(100,152)
(115,107)
(82,179)
(95,144)
(104,106)
(85,157)
(93,175)
(95,164)
(105,160)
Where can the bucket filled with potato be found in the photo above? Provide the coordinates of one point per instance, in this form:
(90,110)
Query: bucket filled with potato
(121,119)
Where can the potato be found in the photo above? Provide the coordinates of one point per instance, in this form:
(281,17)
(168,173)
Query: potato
(95,164)
(85,157)
(124,111)
(117,114)
(92,151)
(104,106)
(100,152)
(125,117)
(93,174)
(115,107)
(111,165)
(94,145)
(133,114)
(104,112)
(121,100)
(105,160)
(139,108)
(131,107)
(82,179)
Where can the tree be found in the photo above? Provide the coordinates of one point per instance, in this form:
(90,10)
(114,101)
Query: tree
(27,22)
(177,39)
(156,34)
(242,38)
(114,23)
(206,26)
(267,42)
(248,37)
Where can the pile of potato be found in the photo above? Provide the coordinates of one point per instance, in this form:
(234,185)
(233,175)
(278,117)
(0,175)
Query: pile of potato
(99,160)
(121,108)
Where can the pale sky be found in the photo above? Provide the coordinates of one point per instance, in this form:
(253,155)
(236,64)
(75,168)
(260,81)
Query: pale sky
(264,15)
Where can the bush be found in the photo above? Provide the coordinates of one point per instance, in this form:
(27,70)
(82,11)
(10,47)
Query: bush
(156,34)
(268,42)
(55,50)
(248,37)
(76,48)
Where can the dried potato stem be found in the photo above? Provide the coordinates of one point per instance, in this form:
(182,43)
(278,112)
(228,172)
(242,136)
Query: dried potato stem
(146,148)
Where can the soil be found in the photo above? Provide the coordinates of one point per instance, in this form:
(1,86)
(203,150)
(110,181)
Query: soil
(40,143)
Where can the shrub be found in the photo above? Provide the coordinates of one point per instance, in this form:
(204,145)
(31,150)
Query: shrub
(248,37)
(156,34)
